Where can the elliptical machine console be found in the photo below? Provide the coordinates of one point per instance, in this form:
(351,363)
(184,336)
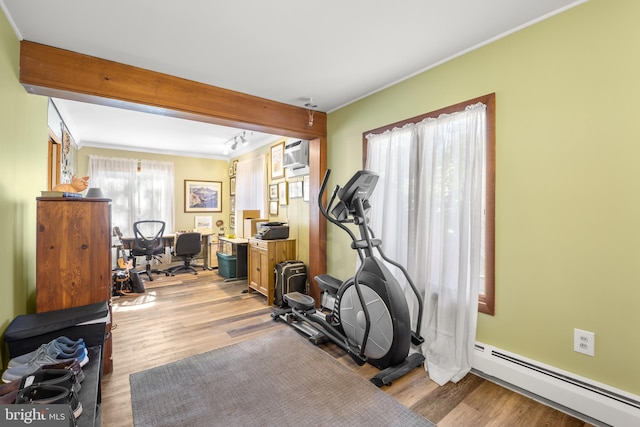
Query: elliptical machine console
(370,318)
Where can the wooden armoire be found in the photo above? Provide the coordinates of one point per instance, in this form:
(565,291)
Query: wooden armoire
(73,256)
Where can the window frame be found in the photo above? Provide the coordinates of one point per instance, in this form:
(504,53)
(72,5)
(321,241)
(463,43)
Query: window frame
(486,300)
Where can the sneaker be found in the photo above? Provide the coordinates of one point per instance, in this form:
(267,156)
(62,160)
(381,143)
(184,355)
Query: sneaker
(41,359)
(61,377)
(51,395)
(53,349)
(70,342)
(68,348)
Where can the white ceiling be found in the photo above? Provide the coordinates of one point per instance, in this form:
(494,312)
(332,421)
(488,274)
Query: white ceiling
(333,52)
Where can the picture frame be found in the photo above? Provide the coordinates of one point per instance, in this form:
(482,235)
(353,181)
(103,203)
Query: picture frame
(277,161)
(203,223)
(232,203)
(295,190)
(232,186)
(306,188)
(273,192)
(235,167)
(231,171)
(273,207)
(283,196)
(202,196)
(232,221)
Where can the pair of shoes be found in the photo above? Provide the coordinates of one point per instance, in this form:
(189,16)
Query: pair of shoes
(71,364)
(47,354)
(61,348)
(61,377)
(47,394)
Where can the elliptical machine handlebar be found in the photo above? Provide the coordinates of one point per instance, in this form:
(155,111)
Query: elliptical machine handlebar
(325,210)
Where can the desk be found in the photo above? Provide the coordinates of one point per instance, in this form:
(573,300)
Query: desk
(169,239)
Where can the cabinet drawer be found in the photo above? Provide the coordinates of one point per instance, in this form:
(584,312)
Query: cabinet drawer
(262,244)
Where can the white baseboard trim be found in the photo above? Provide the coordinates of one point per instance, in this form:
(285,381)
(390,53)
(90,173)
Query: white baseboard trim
(597,402)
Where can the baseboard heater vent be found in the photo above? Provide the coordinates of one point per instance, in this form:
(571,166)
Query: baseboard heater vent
(578,394)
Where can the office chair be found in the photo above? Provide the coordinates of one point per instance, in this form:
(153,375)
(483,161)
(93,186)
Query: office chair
(187,246)
(149,247)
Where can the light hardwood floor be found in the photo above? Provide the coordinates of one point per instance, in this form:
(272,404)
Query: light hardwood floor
(187,314)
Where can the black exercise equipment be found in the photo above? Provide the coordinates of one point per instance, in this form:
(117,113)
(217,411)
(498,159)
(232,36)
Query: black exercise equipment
(370,318)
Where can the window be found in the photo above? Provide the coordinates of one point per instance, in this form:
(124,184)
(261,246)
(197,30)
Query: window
(138,190)
(251,184)
(397,166)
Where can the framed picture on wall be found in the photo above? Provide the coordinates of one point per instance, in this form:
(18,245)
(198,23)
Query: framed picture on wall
(203,223)
(295,190)
(232,183)
(232,221)
(283,197)
(273,207)
(273,192)
(277,161)
(202,196)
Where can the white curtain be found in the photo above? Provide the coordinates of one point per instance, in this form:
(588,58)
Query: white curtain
(116,177)
(156,192)
(437,168)
(389,155)
(251,184)
(148,194)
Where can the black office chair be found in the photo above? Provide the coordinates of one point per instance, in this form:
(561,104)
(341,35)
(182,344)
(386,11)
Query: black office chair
(149,247)
(187,246)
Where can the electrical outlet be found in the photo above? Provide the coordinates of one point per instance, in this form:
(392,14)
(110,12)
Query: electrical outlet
(584,342)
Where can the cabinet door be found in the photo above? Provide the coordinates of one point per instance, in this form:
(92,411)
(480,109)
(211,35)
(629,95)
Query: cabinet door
(73,253)
(254,268)
(265,273)
(259,269)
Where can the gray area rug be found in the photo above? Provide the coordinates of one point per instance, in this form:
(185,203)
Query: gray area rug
(279,379)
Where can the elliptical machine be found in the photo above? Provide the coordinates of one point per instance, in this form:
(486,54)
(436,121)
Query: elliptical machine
(370,317)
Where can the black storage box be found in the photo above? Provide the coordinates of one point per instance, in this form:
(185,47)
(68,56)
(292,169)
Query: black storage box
(27,332)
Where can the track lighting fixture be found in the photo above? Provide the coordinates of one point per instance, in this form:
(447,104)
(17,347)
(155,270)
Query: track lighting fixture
(233,142)
(240,139)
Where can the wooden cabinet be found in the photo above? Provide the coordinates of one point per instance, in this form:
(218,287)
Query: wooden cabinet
(73,256)
(263,257)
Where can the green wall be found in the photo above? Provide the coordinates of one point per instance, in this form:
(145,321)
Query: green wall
(568,182)
(23,122)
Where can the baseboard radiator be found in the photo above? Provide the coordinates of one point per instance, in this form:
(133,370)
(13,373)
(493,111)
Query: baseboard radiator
(581,397)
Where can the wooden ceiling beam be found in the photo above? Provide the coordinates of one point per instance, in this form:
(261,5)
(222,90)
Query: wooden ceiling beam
(50,71)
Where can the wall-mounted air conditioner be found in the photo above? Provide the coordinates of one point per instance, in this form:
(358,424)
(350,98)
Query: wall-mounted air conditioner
(296,158)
